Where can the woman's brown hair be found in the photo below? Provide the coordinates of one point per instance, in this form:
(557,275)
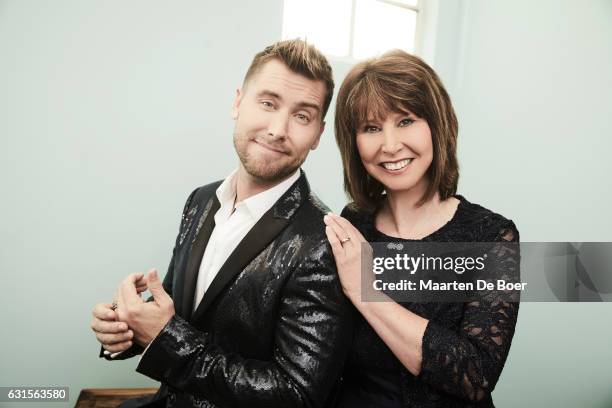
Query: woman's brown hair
(395,82)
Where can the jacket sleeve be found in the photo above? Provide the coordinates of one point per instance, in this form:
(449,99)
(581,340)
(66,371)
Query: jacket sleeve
(467,363)
(311,341)
(167,283)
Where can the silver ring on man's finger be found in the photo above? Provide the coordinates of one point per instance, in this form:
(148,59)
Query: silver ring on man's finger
(114,306)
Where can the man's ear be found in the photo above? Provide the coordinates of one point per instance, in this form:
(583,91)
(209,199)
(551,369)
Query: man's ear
(318,139)
(236,103)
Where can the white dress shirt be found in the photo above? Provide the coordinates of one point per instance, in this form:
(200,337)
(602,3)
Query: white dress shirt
(232,223)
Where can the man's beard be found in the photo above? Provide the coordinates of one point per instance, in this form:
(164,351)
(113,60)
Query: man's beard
(265,171)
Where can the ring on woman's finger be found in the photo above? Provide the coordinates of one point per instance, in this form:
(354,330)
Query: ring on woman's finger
(347,239)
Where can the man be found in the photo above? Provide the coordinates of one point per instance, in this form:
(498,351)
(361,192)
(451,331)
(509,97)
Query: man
(250,313)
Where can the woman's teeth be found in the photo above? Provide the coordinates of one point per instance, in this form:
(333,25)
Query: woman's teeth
(396,165)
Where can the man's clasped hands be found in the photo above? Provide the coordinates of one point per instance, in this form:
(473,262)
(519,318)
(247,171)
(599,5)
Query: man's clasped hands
(130,319)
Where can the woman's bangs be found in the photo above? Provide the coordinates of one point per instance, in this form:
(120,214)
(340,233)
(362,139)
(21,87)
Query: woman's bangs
(368,101)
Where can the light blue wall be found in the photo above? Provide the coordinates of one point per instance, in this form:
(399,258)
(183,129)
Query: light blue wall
(112,112)
(532,90)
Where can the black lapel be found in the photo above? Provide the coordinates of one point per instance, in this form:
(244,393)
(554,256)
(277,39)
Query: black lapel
(269,226)
(195,257)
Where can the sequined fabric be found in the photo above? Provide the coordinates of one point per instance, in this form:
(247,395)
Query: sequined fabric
(465,345)
(276,336)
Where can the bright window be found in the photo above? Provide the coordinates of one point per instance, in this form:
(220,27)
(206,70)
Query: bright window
(355,29)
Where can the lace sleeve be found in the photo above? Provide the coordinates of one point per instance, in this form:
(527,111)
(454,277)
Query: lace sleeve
(468,362)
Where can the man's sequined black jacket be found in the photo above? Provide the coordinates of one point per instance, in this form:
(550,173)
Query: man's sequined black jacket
(272,330)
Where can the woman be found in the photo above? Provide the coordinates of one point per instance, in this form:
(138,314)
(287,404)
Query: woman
(396,130)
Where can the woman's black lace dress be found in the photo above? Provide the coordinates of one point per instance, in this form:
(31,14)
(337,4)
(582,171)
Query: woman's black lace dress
(465,345)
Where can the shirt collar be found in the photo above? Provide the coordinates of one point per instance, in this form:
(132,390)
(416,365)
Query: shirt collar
(258,204)
(226,192)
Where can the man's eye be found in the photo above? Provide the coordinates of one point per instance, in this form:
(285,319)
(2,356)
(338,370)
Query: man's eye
(267,104)
(302,118)
(406,122)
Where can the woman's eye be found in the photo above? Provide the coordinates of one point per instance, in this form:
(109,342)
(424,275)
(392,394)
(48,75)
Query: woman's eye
(370,129)
(406,122)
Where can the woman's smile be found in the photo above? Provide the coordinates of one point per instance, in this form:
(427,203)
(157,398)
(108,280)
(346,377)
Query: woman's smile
(395,167)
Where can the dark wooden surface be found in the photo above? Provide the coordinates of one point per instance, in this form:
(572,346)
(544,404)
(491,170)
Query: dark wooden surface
(109,397)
